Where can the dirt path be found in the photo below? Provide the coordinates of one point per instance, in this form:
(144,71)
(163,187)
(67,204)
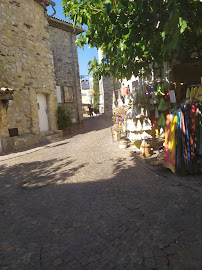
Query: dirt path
(83,203)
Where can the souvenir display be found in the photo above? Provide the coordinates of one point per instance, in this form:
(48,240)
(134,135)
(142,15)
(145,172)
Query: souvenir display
(183,135)
(145,116)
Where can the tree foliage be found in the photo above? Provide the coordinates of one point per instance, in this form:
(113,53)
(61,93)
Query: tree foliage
(135,33)
(96,93)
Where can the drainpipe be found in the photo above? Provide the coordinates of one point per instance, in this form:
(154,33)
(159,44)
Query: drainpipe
(75,78)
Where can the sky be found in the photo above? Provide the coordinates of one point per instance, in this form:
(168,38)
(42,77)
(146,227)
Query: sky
(85,55)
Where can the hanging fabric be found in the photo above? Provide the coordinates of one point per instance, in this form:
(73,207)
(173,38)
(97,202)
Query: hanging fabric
(170,143)
(161,121)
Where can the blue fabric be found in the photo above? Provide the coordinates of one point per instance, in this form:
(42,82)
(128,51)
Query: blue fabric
(188,162)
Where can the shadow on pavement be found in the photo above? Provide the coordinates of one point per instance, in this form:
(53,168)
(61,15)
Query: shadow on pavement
(89,124)
(130,221)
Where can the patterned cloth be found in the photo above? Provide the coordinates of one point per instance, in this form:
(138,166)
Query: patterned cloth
(170,142)
(183,138)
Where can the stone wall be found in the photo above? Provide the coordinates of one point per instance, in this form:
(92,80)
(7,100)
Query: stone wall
(26,63)
(3,121)
(67,68)
(108,88)
(110,85)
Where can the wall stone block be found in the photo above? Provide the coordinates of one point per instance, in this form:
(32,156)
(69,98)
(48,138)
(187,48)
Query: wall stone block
(66,67)
(26,65)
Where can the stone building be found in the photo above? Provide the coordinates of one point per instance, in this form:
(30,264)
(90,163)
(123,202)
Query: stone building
(63,37)
(108,90)
(26,65)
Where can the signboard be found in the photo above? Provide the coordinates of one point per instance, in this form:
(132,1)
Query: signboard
(85,84)
(68,94)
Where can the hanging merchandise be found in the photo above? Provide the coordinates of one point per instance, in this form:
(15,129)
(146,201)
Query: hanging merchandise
(135,98)
(161,121)
(167,97)
(146,124)
(154,100)
(192,94)
(129,113)
(147,111)
(162,105)
(172,96)
(187,96)
(199,93)
(170,145)
(130,125)
(135,111)
(148,91)
(123,99)
(151,107)
(156,113)
(153,88)
(196,93)
(120,103)
(183,137)
(199,132)
(159,91)
(165,87)
(142,97)
(139,126)
(127,100)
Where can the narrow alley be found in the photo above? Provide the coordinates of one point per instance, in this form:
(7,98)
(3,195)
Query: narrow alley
(83,203)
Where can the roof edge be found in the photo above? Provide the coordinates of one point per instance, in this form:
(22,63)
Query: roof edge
(66,26)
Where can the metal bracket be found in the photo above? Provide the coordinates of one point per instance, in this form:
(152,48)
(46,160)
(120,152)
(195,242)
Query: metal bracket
(53,5)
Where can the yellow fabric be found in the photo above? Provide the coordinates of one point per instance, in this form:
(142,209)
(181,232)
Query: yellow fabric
(199,93)
(196,92)
(192,94)
(188,93)
(173,125)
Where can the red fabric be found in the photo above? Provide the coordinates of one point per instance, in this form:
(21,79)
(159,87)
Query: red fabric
(127,91)
(193,116)
(167,142)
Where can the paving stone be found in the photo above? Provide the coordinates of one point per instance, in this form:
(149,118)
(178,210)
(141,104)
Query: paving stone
(103,209)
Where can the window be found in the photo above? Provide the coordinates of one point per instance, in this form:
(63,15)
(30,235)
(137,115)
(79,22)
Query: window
(58,91)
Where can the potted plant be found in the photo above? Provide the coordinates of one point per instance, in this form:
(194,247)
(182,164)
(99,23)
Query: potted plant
(64,119)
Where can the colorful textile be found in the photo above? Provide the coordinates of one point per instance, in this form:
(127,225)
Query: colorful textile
(199,131)
(192,94)
(179,143)
(187,137)
(170,142)
(193,129)
(199,94)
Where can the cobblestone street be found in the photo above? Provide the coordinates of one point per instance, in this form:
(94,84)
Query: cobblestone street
(83,203)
